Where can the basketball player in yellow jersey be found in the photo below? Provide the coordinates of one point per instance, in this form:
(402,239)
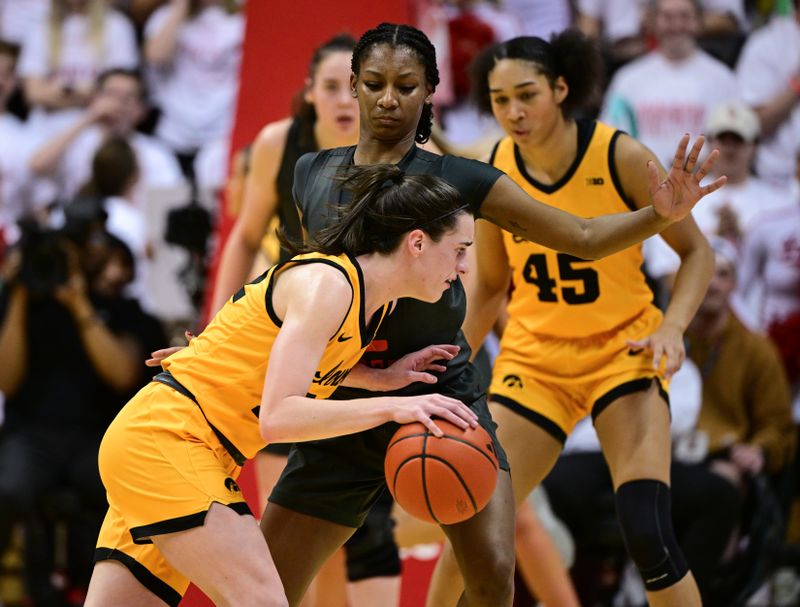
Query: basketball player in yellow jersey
(262,371)
(582,337)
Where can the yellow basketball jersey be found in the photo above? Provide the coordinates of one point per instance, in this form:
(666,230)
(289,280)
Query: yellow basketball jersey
(562,295)
(224,367)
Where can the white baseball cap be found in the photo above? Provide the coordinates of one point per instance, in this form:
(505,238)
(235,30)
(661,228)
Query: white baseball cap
(733,118)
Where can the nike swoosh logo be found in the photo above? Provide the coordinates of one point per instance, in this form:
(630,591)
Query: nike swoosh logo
(342,338)
(635,351)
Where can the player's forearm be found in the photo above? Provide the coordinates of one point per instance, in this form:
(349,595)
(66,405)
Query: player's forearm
(45,160)
(775,112)
(159,49)
(609,234)
(298,419)
(691,282)
(110,355)
(483,308)
(13,342)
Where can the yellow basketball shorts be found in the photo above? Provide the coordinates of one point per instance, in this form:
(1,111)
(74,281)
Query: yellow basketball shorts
(162,467)
(555,382)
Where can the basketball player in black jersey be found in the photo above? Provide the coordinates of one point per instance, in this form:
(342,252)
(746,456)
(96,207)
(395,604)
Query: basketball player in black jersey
(328,486)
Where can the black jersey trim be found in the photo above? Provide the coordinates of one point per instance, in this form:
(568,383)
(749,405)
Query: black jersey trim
(586,130)
(142,574)
(493,155)
(168,379)
(612,169)
(367,328)
(548,425)
(142,534)
(631,387)
(268,294)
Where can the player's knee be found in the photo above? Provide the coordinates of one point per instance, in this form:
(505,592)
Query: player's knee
(643,508)
(493,581)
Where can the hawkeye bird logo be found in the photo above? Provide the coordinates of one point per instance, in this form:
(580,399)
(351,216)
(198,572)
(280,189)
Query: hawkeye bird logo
(513,381)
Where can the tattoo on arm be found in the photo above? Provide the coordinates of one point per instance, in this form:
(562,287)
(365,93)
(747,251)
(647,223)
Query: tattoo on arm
(515,224)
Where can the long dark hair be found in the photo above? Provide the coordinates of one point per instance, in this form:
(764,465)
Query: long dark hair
(404,35)
(569,54)
(302,109)
(386,205)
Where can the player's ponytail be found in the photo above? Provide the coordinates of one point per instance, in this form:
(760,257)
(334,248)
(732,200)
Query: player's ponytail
(386,204)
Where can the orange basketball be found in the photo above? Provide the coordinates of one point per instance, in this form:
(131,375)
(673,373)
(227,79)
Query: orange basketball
(441,480)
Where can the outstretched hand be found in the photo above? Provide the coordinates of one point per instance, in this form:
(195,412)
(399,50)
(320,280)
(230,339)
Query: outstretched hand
(675,196)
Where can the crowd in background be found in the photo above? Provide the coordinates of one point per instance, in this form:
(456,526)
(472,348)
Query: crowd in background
(100,116)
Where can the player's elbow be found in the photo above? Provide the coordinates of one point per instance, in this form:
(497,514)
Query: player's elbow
(272,425)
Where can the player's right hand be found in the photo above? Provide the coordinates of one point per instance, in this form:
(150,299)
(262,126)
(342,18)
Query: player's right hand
(425,407)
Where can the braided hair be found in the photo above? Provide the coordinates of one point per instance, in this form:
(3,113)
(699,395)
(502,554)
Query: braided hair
(396,35)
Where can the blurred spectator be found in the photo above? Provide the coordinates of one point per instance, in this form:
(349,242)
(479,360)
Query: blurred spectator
(115,173)
(18,17)
(746,423)
(193,48)
(472,25)
(769,80)
(62,57)
(115,110)
(672,89)
(72,348)
(770,267)
(12,170)
(540,17)
(617,25)
(735,210)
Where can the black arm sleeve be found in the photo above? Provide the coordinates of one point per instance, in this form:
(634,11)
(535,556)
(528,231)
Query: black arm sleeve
(472,178)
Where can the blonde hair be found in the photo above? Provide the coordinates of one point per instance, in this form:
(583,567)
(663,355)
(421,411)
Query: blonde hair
(96,13)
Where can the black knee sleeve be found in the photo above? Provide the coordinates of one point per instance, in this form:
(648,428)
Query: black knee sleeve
(643,508)
(371,551)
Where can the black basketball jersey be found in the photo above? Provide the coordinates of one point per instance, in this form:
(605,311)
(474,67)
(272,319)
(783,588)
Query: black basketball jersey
(299,141)
(413,324)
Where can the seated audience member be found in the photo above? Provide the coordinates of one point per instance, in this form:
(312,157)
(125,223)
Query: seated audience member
(770,269)
(116,109)
(673,88)
(63,55)
(768,74)
(739,207)
(745,425)
(72,349)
